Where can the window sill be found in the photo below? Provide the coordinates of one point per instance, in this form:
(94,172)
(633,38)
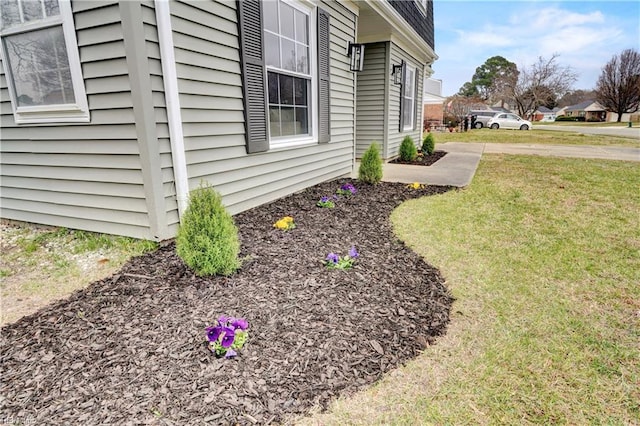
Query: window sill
(41,116)
(291,143)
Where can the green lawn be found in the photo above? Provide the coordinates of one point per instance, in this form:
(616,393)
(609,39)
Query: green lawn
(532,137)
(543,257)
(586,123)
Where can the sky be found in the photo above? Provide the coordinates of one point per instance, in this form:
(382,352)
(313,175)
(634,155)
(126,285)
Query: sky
(585,34)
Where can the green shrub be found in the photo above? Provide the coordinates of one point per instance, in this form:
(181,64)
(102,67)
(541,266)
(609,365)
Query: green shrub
(428,144)
(207,240)
(371,165)
(408,151)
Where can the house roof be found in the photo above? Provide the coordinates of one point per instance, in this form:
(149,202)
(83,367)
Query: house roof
(586,106)
(543,109)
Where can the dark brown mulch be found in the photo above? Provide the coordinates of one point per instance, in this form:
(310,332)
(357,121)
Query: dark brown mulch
(423,160)
(131,349)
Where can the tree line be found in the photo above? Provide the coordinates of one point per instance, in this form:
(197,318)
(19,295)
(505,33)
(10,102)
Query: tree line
(547,83)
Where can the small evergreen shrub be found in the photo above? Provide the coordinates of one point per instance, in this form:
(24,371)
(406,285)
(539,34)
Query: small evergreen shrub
(207,240)
(370,170)
(428,144)
(408,151)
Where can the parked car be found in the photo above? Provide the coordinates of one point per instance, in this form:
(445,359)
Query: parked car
(507,120)
(482,116)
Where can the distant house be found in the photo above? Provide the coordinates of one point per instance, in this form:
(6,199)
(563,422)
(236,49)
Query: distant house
(544,114)
(586,111)
(627,116)
(112,111)
(560,111)
(433,101)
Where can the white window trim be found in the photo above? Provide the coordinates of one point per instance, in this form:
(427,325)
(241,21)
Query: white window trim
(409,126)
(285,142)
(61,113)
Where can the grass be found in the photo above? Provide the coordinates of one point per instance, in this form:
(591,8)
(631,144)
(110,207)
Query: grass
(587,123)
(533,137)
(543,257)
(42,265)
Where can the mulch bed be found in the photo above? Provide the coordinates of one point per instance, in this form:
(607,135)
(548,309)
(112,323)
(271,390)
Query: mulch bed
(130,349)
(423,160)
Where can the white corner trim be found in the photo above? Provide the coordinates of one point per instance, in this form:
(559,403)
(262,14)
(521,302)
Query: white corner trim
(170,79)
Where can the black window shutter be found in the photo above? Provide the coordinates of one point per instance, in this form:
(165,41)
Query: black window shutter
(416,110)
(324,78)
(403,70)
(253,74)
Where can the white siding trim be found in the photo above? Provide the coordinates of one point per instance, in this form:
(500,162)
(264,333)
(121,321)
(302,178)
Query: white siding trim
(170,79)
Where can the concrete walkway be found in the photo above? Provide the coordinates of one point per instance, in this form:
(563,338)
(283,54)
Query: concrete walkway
(458,167)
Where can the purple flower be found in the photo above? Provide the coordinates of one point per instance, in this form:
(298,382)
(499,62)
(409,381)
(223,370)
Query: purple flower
(213,333)
(324,199)
(223,320)
(240,323)
(228,338)
(333,258)
(230,353)
(353,253)
(349,187)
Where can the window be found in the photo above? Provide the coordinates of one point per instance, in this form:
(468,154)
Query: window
(288,56)
(408,98)
(286,78)
(41,61)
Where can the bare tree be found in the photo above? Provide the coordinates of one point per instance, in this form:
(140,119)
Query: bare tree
(618,88)
(576,97)
(541,84)
(457,107)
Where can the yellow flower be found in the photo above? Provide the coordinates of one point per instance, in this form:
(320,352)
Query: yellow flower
(415,185)
(285,223)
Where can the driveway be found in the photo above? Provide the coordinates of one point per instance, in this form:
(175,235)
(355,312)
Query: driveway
(633,132)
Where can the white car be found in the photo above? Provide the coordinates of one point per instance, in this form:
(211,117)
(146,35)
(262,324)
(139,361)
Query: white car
(507,120)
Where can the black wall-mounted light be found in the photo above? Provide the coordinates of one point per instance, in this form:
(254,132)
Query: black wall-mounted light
(355,51)
(397,73)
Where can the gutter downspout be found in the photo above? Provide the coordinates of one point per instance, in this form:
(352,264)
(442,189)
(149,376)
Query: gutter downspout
(170,79)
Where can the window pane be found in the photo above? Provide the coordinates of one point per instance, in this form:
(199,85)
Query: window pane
(40,67)
(32,10)
(270,15)
(303,59)
(409,83)
(408,113)
(272,49)
(302,26)
(287,121)
(301,86)
(273,88)
(286,90)
(274,121)
(302,120)
(286,21)
(10,13)
(288,55)
(51,7)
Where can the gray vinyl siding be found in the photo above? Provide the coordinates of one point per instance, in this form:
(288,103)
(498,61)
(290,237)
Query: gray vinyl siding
(209,81)
(395,136)
(370,115)
(87,175)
